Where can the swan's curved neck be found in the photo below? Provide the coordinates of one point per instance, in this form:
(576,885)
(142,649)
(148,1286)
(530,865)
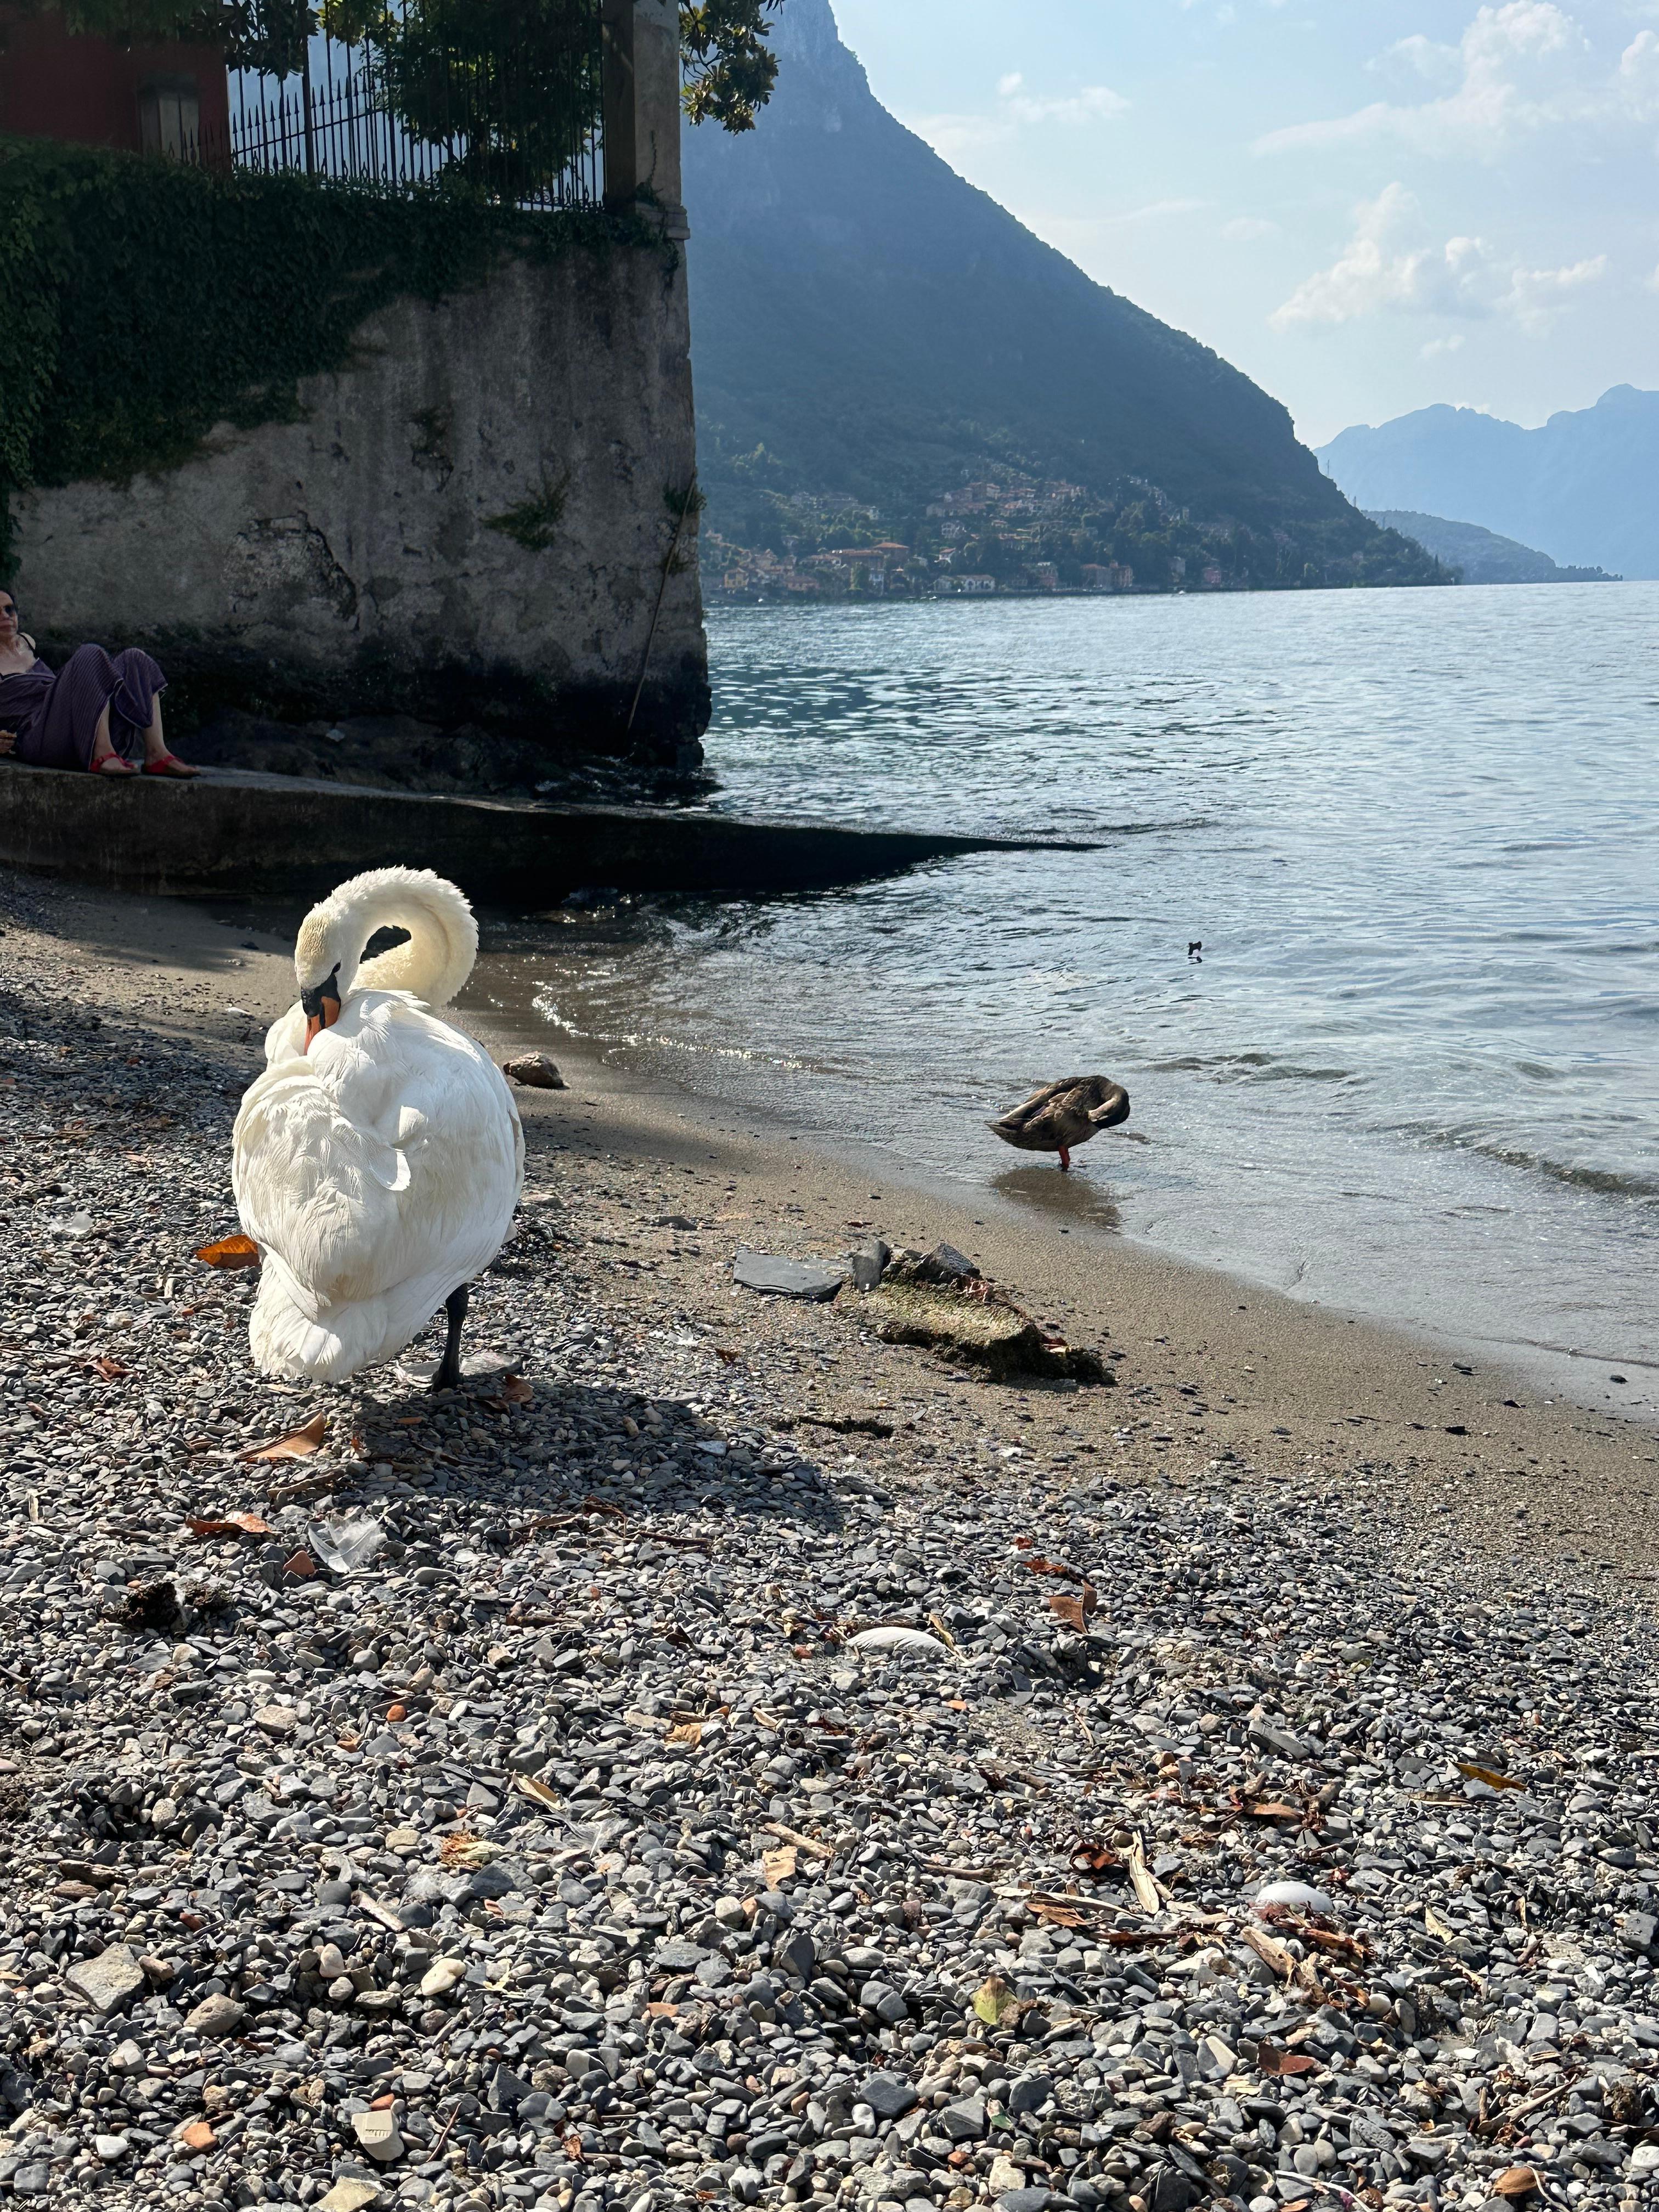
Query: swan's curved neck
(432,965)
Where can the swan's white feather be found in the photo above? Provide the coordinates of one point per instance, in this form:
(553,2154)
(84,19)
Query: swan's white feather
(378,1172)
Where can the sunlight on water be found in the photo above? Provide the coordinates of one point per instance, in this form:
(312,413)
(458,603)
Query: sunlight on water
(1413,1071)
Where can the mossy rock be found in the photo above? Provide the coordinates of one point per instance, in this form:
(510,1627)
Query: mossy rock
(992,1335)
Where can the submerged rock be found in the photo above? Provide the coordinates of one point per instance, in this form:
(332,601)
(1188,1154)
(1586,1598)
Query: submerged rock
(774,1277)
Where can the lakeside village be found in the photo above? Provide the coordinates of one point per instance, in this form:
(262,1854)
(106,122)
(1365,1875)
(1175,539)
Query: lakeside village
(1016,534)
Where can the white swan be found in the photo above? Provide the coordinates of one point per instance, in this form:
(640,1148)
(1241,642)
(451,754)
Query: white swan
(377,1161)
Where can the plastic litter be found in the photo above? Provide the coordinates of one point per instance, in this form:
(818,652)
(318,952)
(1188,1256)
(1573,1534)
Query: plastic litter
(345,1544)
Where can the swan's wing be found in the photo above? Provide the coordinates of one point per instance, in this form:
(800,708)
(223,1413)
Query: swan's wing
(391,1153)
(286,1037)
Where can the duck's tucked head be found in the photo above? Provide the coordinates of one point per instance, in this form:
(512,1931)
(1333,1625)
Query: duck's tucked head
(433,964)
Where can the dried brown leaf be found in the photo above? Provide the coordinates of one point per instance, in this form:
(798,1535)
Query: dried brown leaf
(994,2002)
(463,1850)
(1278,1955)
(1095,1859)
(300,1444)
(1516,2181)
(1493,1780)
(233,1524)
(237,1251)
(1273,2062)
(689,1732)
(517,1391)
(777,1866)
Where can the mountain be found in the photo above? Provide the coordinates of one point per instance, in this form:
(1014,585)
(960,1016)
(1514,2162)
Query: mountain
(868,328)
(1575,486)
(1482,556)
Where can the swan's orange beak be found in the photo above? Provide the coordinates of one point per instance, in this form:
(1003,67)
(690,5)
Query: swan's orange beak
(326,1020)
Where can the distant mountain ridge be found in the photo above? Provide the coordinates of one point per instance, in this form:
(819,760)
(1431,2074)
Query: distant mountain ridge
(1482,556)
(1580,487)
(867,324)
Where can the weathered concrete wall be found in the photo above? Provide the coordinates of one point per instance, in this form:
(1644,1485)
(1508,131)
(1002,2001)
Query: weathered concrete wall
(351,562)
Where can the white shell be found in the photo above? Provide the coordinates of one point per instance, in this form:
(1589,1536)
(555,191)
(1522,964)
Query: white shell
(896,1639)
(1296,1894)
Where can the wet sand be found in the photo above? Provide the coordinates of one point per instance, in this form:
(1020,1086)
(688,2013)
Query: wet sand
(1211,1369)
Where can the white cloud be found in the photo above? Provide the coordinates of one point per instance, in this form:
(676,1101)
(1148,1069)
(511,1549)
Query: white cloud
(1519,67)
(1245,227)
(1638,74)
(1536,296)
(1390,267)
(1436,347)
(1019,108)
(1095,103)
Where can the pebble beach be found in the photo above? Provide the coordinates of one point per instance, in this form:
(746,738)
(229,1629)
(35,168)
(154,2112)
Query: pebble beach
(717,1757)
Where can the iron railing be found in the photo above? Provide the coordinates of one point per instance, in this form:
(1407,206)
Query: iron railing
(415,110)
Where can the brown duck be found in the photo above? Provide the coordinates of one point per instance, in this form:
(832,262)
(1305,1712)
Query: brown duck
(1064,1113)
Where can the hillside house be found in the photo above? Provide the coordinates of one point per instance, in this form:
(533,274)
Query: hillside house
(170,98)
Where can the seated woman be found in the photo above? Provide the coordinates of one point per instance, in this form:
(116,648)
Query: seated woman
(101,711)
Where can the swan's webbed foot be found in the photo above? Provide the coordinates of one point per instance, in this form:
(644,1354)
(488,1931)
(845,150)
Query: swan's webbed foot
(449,1375)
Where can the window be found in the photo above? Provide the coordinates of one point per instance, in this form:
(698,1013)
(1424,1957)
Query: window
(170,117)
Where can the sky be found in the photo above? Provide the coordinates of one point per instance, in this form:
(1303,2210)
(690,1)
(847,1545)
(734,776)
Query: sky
(1368,205)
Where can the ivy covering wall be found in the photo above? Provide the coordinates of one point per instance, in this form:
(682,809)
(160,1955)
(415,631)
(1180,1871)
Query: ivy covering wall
(142,301)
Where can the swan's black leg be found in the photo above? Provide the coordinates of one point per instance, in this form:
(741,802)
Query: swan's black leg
(449,1367)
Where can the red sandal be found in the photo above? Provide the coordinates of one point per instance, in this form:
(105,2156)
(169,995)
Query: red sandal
(112,765)
(169,764)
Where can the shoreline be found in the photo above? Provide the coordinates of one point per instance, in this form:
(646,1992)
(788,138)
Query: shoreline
(1080,1205)
(1214,1369)
(497,1796)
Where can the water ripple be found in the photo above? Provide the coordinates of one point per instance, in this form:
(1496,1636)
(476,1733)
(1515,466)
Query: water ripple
(1413,1070)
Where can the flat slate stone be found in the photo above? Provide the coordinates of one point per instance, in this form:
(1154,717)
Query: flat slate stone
(678,1957)
(888,2095)
(787,1279)
(113,1979)
(1029,2093)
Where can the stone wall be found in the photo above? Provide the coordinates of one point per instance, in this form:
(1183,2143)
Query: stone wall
(468,525)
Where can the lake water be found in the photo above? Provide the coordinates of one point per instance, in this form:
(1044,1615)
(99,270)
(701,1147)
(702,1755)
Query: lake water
(1412,1072)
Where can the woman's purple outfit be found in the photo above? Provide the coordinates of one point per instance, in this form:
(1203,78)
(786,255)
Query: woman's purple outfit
(56,717)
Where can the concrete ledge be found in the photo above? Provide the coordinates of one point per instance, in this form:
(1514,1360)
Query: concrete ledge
(231,831)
